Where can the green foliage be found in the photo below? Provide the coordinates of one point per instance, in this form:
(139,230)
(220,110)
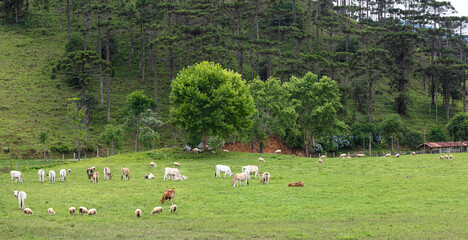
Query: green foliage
(436,134)
(113,137)
(412,139)
(392,126)
(360,132)
(458,126)
(215,142)
(210,101)
(75,44)
(63,149)
(43,138)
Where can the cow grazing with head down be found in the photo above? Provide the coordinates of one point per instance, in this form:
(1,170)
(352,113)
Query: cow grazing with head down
(168,195)
(125,174)
(90,172)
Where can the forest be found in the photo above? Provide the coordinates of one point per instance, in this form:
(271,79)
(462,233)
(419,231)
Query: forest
(398,67)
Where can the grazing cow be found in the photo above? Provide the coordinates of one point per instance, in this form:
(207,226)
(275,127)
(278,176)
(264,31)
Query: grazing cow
(17,176)
(41,175)
(451,157)
(157,210)
(72,210)
(251,169)
(63,175)
(95,178)
(278,151)
(173,208)
(265,178)
(296,184)
(238,179)
(360,155)
(51,211)
(107,173)
(125,174)
(83,210)
(138,213)
(90,172)
(152,164)
(92,211)
(149,176)
(168,194)
(52,176)
(176,164)
(21,196)
(173,174)
(223,168)
(28,211)
(261,160)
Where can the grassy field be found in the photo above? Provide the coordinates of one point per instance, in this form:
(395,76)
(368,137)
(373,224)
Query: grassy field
(342,199)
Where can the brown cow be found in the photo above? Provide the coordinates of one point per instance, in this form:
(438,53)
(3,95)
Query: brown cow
(95,178)
(296,184)
(90,172)
(125,173)
(168,194)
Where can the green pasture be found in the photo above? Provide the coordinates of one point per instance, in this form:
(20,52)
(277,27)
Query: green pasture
(411,197)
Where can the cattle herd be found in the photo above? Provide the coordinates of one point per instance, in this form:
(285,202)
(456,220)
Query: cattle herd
(169,174)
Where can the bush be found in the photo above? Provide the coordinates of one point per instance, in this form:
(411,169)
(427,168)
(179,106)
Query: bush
(60,149)
(436,134)
(215,143)
(411,139)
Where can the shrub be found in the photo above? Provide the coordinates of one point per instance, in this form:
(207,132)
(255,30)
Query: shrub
(411,139)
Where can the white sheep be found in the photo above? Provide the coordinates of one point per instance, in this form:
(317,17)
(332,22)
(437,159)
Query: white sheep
(149,176)
(28,211)
(83,210)
(252,169)
(173,208)
(343,155)
(21,196)
(388,155)
(69,170)
(451,157)
(51,211)
(223,168)
(173,174)
(41,175)
(239,177)
(63,175)
(152,164)
(413,153)
(196,150)
(278,151)
(92,211)
(323,156)
(157,210)
(320,161)
(446,157)
(17,176)
(72,210)
(51,176)
(176,164)
(397,155)
(138,213)
(261,160)
(265,178)
(360,155)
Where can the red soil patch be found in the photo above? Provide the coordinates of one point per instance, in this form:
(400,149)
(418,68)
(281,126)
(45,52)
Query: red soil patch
(273,144)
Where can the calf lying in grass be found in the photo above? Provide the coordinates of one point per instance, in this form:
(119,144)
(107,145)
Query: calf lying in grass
(296,184)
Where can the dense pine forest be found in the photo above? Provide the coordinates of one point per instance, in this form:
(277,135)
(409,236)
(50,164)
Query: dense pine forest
(399,68)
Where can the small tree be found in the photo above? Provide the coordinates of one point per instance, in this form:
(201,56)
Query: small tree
(113,137)
(436,134)
(392,127)
(42,140)
(458,127)
(209,100)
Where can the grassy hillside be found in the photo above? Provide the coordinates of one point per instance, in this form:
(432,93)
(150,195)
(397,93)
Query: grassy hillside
(356,198)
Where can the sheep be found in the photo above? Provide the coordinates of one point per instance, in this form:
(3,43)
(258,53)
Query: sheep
(69,170)
(320,161)
(41,175)
(252,169)
(149,176)
(441,157)
(83,210)
(343,155)
(152,164)
(296,184)
(223,168)
(323,156)
(107,173)
(278,151)
(138,213)
(90,172)
(446,156)
(94,168)
(196,150)
(21,196)
(239,177)
(28,211)
(176,164)
(173,208)
(225,150)
(265,178)
(125,174)
(157,210)
(92,211)
(451,157)
(168,194)
(51,211)
(72,210)
(360,155)
(17,176)
(413,153)
(173,174)
(388,155)
(52,176)
(95,178)
(63,175)
(397,155)
(261,160)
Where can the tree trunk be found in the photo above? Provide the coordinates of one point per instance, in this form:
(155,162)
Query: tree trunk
(44,153)
(142,55)
(370,144)
(392,146)
(130,43)
(68,24)
(155,77)
(60,14)
(309,23)
(108,78)
(464,92)
(84,32)
(100,65)
(85,115)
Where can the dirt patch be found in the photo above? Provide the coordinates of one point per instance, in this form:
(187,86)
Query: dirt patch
(274,144)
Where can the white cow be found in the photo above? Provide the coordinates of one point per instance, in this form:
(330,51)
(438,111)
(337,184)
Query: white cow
(173,174)
(17,176)
(51,176)
(41,175)
(251,169)
(21,197)
(223,168)
(63,175)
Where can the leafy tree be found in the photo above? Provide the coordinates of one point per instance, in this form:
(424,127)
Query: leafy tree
(411,139)
(113,137)
(43,140)
(392,127)
(319,101)
(436,134)
(458,127)
(209,100)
